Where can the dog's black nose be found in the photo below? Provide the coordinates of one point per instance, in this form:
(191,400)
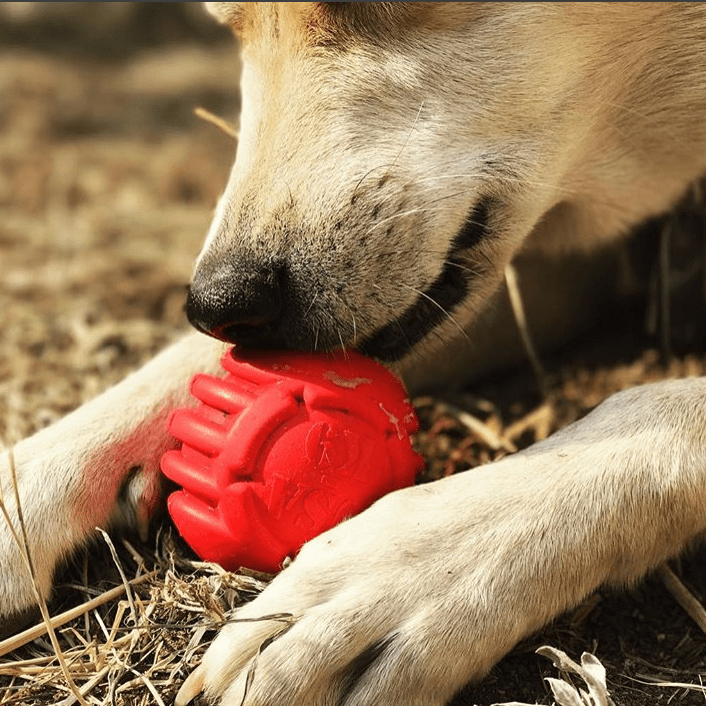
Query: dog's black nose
(238,304)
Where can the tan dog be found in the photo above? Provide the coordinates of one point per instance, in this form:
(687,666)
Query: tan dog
(393,159)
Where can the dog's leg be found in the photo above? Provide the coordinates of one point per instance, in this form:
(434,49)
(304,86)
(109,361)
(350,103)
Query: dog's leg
(98,466)
(428,588)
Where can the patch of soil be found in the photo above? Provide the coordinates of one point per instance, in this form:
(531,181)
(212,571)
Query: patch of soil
(107,185)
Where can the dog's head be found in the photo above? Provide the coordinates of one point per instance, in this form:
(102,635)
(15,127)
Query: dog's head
(394,157)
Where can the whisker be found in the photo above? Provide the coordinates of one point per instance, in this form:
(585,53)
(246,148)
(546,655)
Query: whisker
(413,211)
(340,338)
(436,304)
(355,329)
(487,259)
(394,318)
(394,161)
(409,135)
(464,268)
(387,166)
(313,301)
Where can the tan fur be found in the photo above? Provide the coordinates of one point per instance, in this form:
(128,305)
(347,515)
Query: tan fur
(370,134)
(587,121)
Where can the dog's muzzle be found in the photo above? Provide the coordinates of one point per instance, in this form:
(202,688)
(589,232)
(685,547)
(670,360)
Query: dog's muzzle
(257,302)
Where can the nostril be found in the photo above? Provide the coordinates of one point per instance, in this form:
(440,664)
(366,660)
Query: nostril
(242,305)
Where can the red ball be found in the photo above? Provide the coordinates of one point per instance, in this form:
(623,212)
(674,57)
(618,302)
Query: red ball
(284,447)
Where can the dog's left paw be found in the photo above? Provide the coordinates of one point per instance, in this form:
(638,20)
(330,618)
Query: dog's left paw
(428,588)
(354,620)
(399,606)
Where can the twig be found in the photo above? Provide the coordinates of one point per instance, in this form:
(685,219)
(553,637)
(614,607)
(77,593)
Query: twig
(539,419)
(654,681)
(24,548)
(479,428)
(221,124)
(70,700)
(150,686)
(683,596)
(17,641)
(518,312)
(126,584)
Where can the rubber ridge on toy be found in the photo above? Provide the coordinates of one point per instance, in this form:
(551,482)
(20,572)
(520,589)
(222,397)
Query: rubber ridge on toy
(282,448)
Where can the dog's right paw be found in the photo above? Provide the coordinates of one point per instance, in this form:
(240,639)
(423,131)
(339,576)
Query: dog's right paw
(96,467)
(54,493)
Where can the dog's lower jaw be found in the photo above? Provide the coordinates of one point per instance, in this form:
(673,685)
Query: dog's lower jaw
(440,300)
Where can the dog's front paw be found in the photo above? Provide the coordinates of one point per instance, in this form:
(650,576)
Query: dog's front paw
(398,606)
(96,467)
(353,620)
(428,588)
(55,489)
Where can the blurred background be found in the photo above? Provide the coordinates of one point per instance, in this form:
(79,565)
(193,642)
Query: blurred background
(106,29)
(107,184)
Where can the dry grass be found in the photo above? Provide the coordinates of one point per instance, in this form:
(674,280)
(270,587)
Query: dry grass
(107,183)
(134,644)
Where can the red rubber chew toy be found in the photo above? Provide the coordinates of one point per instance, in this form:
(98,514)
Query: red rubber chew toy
(283,448)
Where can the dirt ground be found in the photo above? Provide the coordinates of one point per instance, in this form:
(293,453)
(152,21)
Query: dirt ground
(107,185)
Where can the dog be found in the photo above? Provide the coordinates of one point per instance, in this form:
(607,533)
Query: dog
(393,160)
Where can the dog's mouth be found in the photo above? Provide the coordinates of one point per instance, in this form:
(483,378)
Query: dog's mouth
(436,303)
(247,306)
